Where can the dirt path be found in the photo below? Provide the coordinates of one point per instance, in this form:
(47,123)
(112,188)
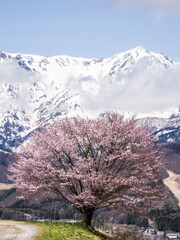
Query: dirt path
(173,182)
(17,231)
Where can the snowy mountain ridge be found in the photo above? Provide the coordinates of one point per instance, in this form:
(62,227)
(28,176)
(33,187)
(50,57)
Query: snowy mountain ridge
(36,89)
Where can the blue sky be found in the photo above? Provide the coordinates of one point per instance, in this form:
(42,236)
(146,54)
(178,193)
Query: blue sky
(89,28)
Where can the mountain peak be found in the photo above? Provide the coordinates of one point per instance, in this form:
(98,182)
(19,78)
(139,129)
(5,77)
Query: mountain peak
(2,54)
(139,49)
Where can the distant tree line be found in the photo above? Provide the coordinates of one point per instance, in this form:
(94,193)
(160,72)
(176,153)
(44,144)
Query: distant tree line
(48,208)
(7,193)
(166,219)
(10,214)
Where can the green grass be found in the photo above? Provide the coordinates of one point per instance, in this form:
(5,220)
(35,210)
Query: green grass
(67,231)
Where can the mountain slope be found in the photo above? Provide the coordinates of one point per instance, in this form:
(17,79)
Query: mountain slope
(35,89)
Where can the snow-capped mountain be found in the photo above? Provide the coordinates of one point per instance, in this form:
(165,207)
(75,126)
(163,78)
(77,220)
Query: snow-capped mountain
(36,89)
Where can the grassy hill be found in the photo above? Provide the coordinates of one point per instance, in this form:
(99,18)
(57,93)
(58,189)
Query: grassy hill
(68,231)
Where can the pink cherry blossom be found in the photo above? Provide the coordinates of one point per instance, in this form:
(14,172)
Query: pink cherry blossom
(109,161)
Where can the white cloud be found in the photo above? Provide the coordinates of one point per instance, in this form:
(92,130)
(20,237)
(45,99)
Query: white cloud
(157,8)
(146,89)
(13,86)
(10,72)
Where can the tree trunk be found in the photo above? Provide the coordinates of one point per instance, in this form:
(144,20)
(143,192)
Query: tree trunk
(87,214)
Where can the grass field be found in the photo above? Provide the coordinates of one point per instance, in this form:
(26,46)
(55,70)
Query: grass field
(67,231)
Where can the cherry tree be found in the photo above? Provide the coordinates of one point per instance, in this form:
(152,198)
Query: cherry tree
(109,161)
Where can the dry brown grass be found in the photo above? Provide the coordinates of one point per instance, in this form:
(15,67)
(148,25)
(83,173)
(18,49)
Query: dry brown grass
(4,186)
(173,183)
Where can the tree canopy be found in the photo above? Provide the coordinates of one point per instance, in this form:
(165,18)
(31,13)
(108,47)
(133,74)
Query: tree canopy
(91,163)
